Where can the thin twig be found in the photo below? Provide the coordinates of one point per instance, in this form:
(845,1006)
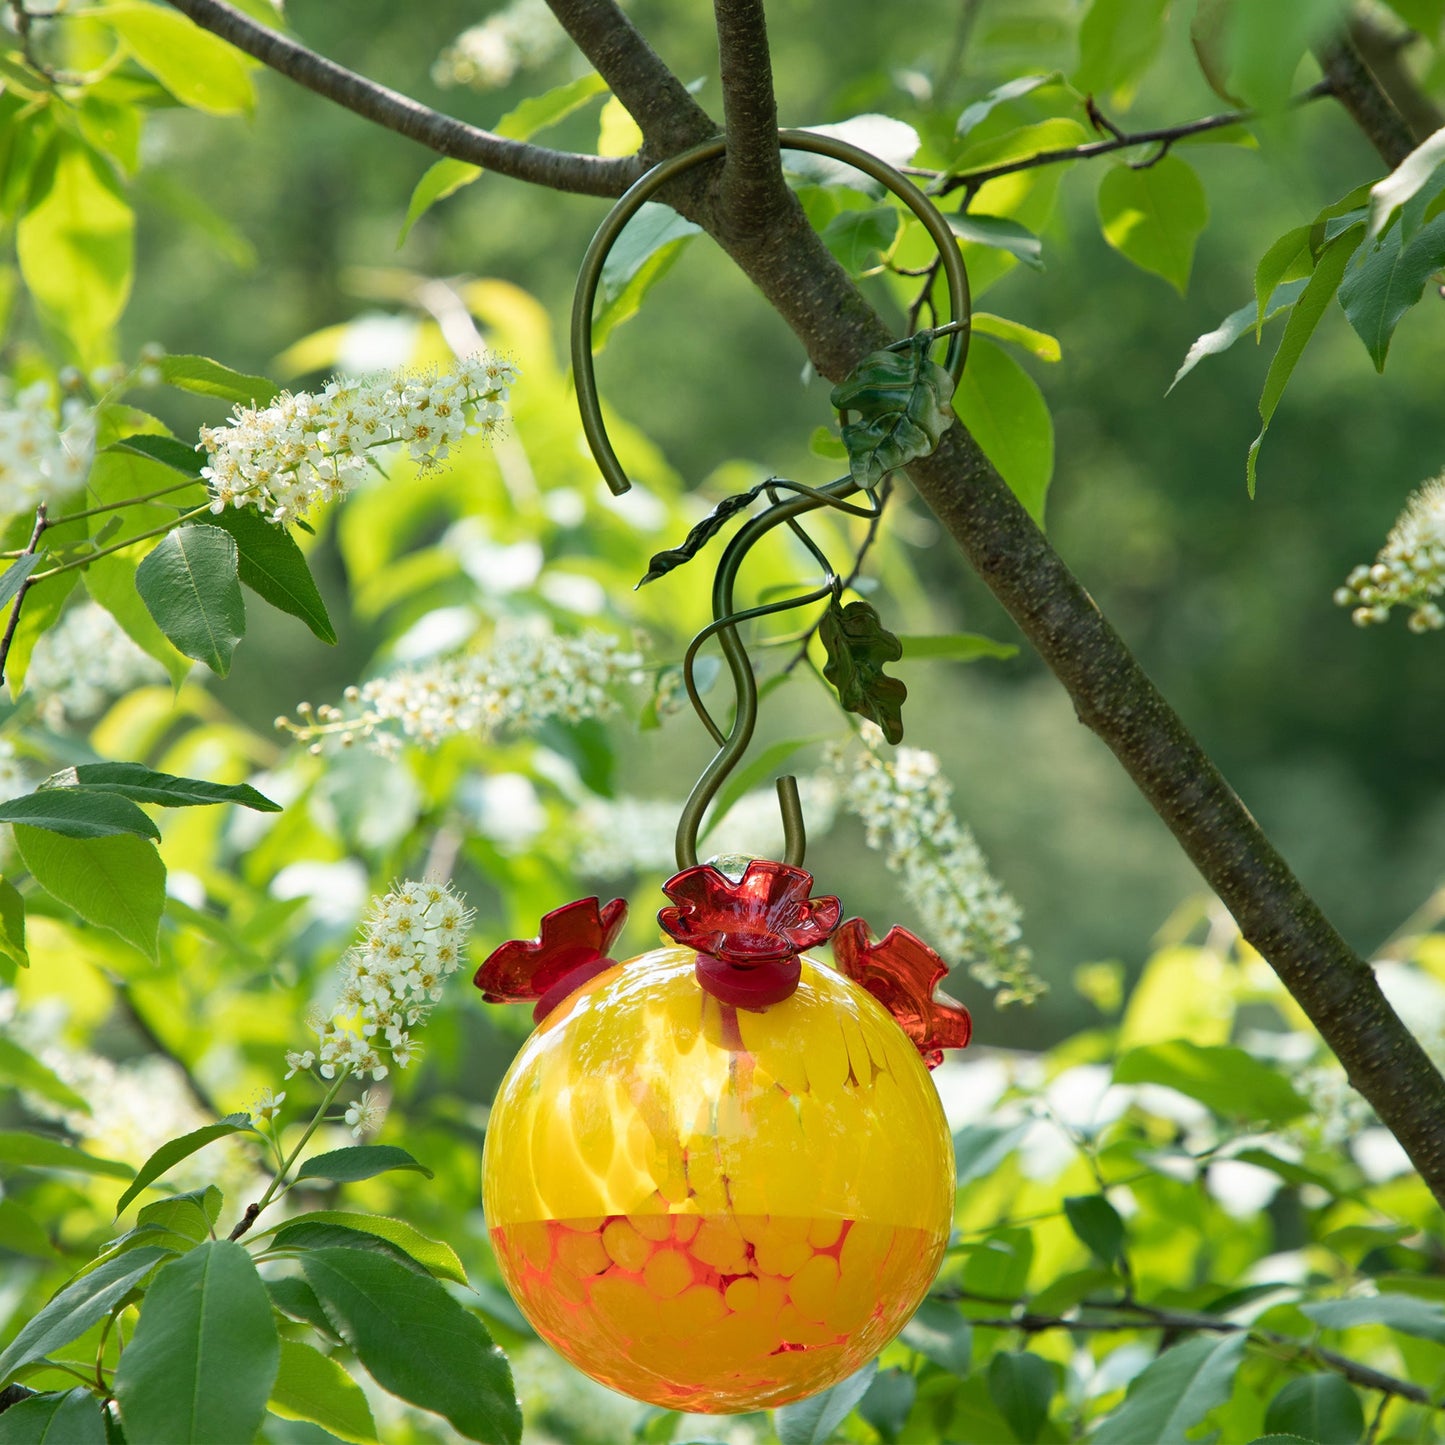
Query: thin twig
(41,522)
(559,170)
(951,71)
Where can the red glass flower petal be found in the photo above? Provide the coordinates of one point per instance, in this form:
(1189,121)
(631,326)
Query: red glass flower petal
(900,971)
(763,916)
(577,936)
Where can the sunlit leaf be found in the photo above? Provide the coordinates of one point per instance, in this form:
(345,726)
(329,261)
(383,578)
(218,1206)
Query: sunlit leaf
(1154,215)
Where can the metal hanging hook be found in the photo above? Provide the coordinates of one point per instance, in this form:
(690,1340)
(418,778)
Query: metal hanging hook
(806,499)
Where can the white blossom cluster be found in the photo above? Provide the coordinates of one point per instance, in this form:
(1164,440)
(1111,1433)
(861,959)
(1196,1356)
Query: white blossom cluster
(411,942)
(310,447)
(520,681)
(904,805)
(617,837)
(45,452)
(83,662)
(487,56)
(1409,570)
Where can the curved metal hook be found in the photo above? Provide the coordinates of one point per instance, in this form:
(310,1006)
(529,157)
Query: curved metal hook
(807,499)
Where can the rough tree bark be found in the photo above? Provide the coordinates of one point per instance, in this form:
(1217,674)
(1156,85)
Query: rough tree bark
(745,206)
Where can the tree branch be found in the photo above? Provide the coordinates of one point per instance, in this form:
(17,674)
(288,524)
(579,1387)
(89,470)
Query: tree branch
(751,192)
(1356,88)
(558,170)
(6,642)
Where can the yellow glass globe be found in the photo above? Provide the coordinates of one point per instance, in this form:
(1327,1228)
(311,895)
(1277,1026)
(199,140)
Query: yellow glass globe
(716,1209)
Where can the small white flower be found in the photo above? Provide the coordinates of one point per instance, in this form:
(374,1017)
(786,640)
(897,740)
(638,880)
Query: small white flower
(299,1063)
(267,1104)
(1409,570)
(365,1114)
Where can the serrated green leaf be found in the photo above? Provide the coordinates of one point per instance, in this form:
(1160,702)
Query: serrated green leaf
(1386,280)
(79,813)
(205,377)
(360,1161)
(189,1216)
(22,1070)
(307,1234)
(1288,259)
(117,883)
(294,1297)
(1098,1226)
(1005,412)
(441,179)
(201,70)
(438,1258)
(939,1332)
(860,239)
(417,1341)
(1408,1315)
(12,924)
(192,587)
(204,1355)
(174,1150)
(902,401)
(1387,196)
(15,574)
(83,1302)
(73,1418)
(1176,1392)
(312,1386)
(649,244)
(888,1402)
(1304,316)
(978,111)
(955,646)
(1224,1079)
(1021,1384)
(858,647)
(1154,216)
(163,449)
(1321,1408)
(1117,40)
(140,784)
(812,1421)
(1247,318)
(22,1150)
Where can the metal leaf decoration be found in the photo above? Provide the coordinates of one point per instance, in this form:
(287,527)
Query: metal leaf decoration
(902,403)
(661,563)
(858,645)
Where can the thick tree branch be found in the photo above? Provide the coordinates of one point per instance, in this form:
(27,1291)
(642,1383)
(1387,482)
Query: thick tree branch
(1356,88)
(752,192)
(558,170)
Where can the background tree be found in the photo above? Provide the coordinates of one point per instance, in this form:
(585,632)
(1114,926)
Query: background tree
(432,559)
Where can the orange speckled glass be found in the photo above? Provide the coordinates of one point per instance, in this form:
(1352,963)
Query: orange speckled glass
(717,1209)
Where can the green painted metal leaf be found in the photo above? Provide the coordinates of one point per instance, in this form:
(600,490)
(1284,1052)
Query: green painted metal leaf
(902,403)
(858,647)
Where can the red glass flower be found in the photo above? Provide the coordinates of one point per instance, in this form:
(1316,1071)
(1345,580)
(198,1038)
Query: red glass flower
(571,947)
(900,971)
(748,934)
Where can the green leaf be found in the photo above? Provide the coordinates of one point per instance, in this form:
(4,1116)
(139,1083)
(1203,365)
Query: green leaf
(312,1386)
(858,647)
(204,1354)
(1303,318)
(1288,259)
(650,242)
(417,1341)
(296,1298)
(888,1403)
(998,1267)
(1005,411)
(1386,280)
(1322,1408)
(1172,1395)
(767,762)
(191,585)
(76,244)
(23,1070)
(83,1302)
(12,924)
(940,1332)
(1387,196)
(1098,1226)
(1021,1384)
(73,1418)
(361,1161)
(21,1150)
(1263,45)
(307,1234)
(16,573)
(441,179)
(813,1421)
(116,883)
(274,567)
(205,377)
(1247,318)
(174,1150)
(901,398)
(201,70)
(617,133)
(978,1149)
(1038,344)
(1225,1079)
(438,1258)
(1154,216)
(1001,233)
(79,813)
(1117,40)
(138,783)
(978,111)
(163,449)
(956,646)
(1408,1315)
(191,1215)
(860,239)
(110,581)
